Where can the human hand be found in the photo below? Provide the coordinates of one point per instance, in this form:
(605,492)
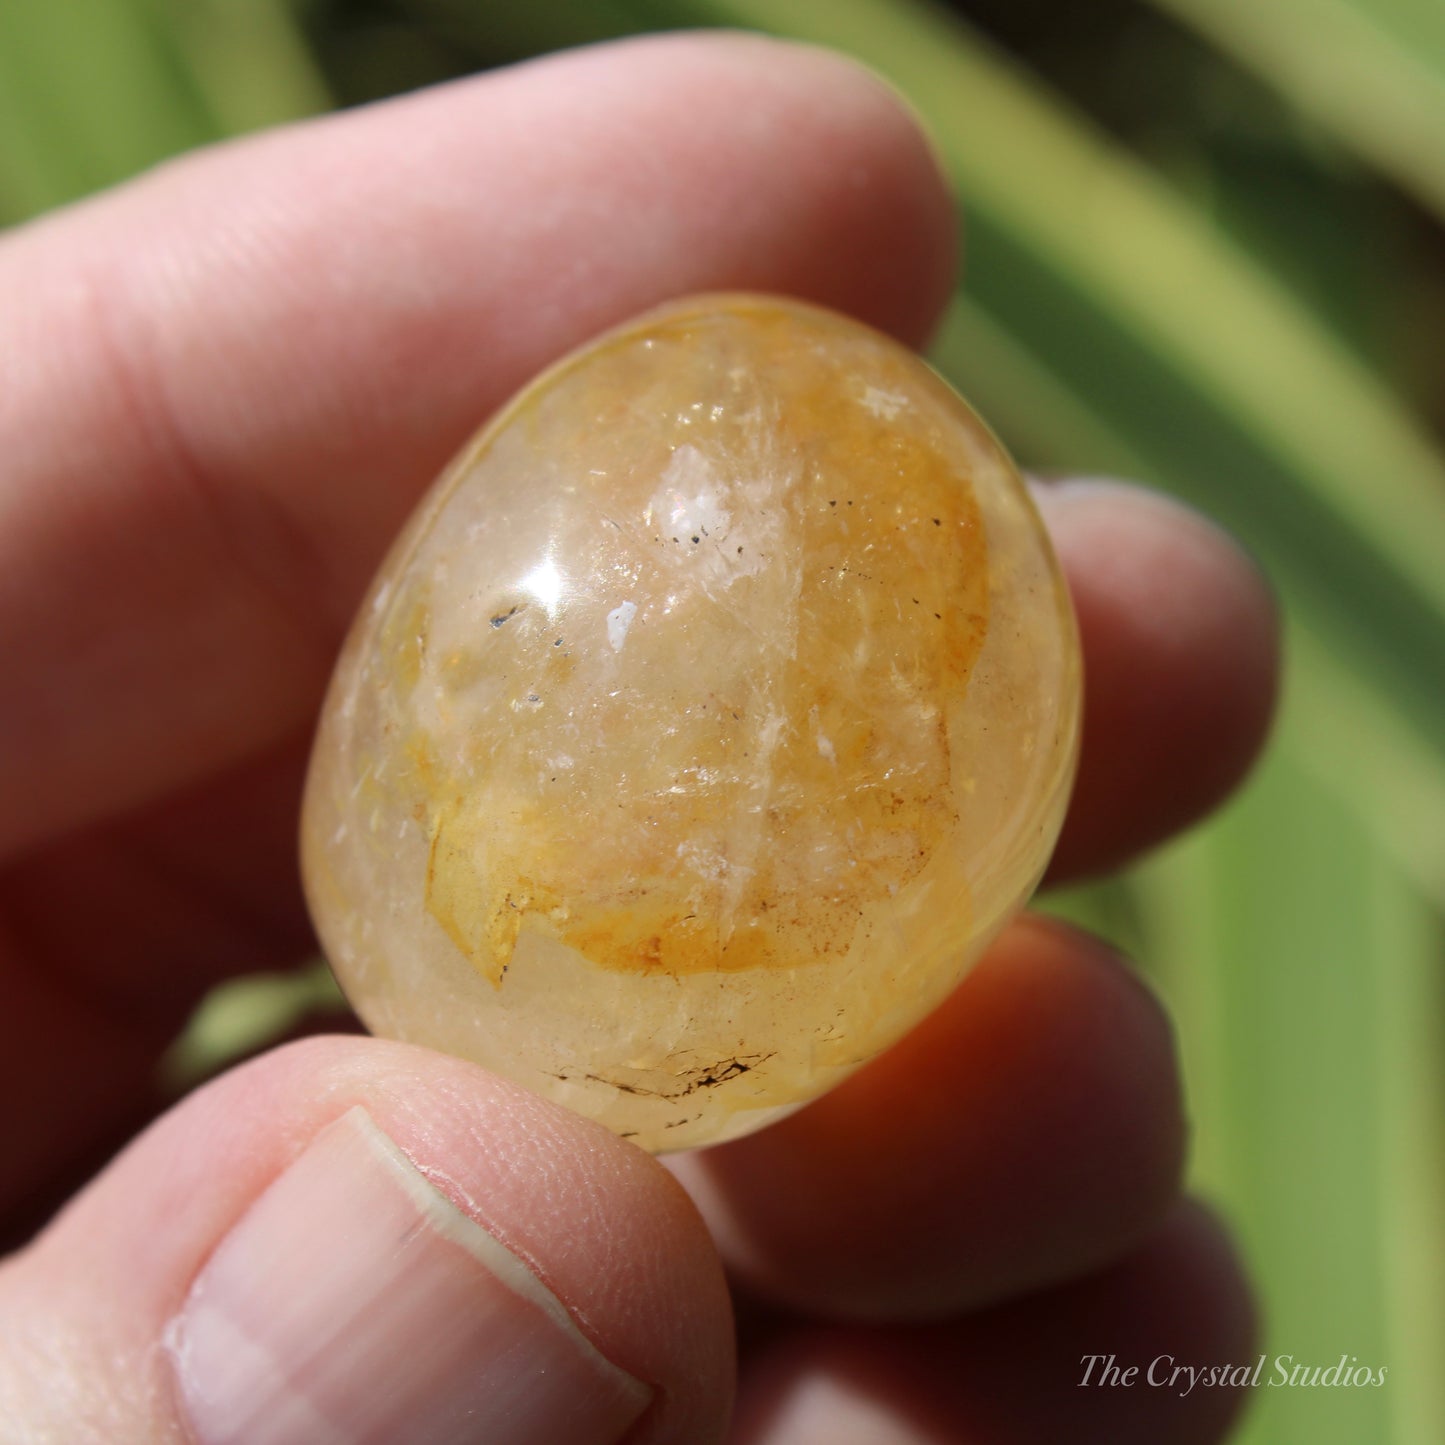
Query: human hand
(221,389)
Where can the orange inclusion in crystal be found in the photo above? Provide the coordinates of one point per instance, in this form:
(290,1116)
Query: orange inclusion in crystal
(702,854)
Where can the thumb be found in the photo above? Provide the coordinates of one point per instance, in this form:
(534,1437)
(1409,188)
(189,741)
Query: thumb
(356,1241)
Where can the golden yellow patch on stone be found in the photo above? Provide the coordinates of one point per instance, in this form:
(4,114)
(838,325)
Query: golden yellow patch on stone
(715,708)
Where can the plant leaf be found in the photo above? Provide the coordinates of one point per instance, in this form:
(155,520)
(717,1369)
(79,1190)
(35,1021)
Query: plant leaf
(1370,72)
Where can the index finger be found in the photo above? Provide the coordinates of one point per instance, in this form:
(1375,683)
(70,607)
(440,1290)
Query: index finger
(225,386)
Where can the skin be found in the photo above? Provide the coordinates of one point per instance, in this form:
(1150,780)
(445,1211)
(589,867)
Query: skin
(221,389)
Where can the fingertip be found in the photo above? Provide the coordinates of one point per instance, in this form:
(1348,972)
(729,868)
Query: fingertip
(823,163)
(1029,1130)
(1217,1279)
(897,195)
(1181,635)
(1173,1325)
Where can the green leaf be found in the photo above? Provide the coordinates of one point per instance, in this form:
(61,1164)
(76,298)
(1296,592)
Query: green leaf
(1300,964)
(91,93)
(245,1015)
(249,60)
(1370,72)
(1025,399)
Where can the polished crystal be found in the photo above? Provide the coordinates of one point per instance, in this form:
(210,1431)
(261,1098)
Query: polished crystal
(716,707)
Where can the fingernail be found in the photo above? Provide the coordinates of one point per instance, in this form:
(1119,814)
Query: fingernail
(355,1303)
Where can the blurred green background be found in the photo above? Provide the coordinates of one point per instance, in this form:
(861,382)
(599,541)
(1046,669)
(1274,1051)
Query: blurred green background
(1206,249)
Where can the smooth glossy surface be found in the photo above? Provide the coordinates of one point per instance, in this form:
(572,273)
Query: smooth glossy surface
(716,707)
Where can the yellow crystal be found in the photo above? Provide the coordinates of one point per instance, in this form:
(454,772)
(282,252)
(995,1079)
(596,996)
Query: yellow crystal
(716,707)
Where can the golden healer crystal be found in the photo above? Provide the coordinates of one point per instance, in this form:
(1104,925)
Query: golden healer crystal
(713,711)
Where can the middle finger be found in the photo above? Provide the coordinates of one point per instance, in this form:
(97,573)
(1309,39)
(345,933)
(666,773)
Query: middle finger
(1030,1130)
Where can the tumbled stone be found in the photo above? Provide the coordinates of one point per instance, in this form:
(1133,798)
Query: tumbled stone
(713,711)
